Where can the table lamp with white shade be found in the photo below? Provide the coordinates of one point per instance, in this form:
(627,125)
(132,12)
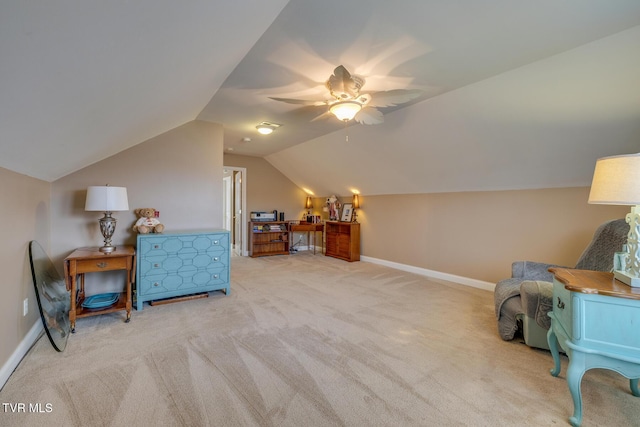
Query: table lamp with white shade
(107,199)
(616,181)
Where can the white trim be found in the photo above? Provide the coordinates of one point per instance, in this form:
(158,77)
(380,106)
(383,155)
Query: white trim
(244,217)
(15,359)
(434,274)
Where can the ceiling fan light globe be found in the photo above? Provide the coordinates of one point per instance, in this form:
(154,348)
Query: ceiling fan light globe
(345,110)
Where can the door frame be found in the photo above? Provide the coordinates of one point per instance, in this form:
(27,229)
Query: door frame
(243,207)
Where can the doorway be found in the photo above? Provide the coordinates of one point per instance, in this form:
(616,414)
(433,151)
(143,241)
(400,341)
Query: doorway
(234,207)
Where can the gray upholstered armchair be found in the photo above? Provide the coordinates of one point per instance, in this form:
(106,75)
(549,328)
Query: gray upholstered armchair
(523,301)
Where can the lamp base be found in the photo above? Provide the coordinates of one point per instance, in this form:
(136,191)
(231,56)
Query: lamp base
(107,227)
(625,278)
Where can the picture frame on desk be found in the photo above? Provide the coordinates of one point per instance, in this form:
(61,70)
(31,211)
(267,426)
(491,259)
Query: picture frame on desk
(347,212)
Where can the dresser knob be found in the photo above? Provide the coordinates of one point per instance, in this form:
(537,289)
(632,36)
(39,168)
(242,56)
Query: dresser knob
(560,304)
(156,284)
(101,264)
(156,265)
(156,246)
(215,258)
(215,276)
(215,242)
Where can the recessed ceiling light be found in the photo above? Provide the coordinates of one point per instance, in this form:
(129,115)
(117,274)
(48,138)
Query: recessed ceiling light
(266,128)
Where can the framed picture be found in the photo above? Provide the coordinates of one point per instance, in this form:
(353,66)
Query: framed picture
(347,212)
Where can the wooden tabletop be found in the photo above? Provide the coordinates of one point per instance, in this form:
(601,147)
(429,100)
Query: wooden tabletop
(94,252)
(594,282)
(306,227)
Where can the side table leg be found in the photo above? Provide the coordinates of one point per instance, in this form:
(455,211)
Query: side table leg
(552,340)
(574,378)
(72,307)
(129,296)
(633,384)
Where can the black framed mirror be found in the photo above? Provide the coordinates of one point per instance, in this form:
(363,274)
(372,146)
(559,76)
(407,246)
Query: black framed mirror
(52,295)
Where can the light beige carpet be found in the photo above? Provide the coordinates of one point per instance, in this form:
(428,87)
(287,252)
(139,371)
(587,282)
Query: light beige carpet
(307,340)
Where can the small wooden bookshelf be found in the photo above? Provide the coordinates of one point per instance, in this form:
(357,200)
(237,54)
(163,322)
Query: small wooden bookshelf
(268,238)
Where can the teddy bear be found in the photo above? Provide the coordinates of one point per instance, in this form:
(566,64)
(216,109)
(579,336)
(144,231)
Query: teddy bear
(147,221)
(333,205)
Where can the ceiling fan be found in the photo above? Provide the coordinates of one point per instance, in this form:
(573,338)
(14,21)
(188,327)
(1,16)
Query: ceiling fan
(348,103)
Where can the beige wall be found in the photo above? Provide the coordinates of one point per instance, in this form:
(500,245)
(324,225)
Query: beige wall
(479,234)
(178,173)
(268,188)
(474,234)
(470,234)
(24,216)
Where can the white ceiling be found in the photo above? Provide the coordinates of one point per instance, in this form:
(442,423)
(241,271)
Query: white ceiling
(83,80)
(509,86)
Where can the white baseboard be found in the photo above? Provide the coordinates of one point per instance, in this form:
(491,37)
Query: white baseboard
(431,273)
(24,346)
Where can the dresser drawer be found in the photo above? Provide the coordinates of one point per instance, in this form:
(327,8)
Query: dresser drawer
(211,276)
(157,284)
(184,280)
(562,307)
(211,242)
(211,260)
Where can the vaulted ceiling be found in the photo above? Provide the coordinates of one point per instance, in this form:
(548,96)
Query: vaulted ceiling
(514,94)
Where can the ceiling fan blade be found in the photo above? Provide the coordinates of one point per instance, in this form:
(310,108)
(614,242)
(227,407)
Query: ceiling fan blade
(343,85)
(369,116)
(339,79)
(322,116)
(391,98)
(299,101)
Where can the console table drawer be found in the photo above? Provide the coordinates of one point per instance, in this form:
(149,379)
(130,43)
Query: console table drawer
(609,324)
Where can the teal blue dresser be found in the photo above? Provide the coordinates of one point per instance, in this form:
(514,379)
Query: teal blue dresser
(596,321)
(178,264)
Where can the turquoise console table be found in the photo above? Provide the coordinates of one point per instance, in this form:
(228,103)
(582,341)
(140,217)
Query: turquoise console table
(177,264)
(596,321)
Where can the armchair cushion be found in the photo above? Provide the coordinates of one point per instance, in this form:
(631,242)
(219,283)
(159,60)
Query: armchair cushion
(508,289)
(531,270)
(537,301)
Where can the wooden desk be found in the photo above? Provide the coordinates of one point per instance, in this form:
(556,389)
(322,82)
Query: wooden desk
(595,320)
(309,228)
(91,260)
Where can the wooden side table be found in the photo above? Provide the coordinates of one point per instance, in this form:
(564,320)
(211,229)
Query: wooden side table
(595,320)
(309,228)
(91,260)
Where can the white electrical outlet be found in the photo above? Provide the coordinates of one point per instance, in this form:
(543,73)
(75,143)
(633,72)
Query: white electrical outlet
(25,306)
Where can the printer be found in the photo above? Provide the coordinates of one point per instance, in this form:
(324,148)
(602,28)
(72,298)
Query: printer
(264,216)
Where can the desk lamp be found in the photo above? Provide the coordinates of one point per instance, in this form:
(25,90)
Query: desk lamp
(107,199)
(356,206)
(308,205)
(616,181)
